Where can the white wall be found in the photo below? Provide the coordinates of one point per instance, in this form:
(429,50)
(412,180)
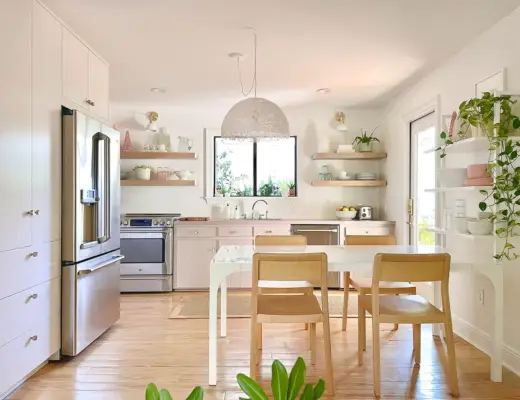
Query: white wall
(454,82)
(311,123)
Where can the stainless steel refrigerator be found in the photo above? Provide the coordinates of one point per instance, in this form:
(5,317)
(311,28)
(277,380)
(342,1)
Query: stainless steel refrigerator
(90,230)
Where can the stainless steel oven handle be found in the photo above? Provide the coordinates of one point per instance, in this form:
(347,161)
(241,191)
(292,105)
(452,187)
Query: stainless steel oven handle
(144,235)
(102,265)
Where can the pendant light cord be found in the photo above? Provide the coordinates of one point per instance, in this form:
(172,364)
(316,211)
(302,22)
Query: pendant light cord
(253,84)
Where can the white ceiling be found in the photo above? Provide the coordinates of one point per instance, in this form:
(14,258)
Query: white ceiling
(364,50)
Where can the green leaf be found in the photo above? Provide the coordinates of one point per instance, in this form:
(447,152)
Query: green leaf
(443,135)
(482,205)
(319,389)
(296,379)
(165,395)
(196,394)
(280,381)
(308,393)
(152,393)
(443,155)
(484,192)
(516,123)
(251,388)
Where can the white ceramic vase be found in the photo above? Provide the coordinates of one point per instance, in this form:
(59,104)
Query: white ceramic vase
(143,174)
(365,147)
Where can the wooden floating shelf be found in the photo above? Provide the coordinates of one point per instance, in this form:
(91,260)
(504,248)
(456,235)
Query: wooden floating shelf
(135,182)
(348,156)
(356,183)
(160,155)
(442,231)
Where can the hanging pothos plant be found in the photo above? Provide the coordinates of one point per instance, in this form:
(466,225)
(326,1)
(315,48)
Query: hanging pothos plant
(503,199)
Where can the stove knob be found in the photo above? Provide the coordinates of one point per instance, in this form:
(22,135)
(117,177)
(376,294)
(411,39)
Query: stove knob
(125,222)
(168,223)
(162,222)
(155,222)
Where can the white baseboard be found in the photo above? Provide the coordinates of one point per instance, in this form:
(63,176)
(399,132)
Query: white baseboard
(482,341)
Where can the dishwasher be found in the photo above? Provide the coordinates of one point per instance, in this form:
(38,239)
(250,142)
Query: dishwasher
(320,234)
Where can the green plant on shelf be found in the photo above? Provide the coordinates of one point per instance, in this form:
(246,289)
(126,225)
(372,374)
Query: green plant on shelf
(503,199)
(365,137)
(269,189)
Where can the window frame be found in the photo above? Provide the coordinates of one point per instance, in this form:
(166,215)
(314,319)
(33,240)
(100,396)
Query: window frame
(255,181)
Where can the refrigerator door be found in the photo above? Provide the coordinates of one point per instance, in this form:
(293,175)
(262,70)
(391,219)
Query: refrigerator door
(79,195)
(110,239)
(90,301)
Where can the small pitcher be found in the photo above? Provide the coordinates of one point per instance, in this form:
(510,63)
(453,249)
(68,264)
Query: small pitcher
(185,144)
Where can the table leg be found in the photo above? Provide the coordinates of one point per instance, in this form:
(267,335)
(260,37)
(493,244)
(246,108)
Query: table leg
(213,293)
(223,308)
(498,332)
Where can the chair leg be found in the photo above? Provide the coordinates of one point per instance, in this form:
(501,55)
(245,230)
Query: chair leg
(329,377)
(417,343)
(253,349)
(376,354)
(452,362)
(361,330)
(313,343)
(306,327)
(396,326)
(346,283)
(260,337)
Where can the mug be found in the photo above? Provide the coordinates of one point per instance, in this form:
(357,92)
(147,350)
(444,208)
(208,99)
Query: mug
(342,174)
(162,147)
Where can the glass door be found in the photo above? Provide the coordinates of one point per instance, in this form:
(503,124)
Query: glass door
(422,205)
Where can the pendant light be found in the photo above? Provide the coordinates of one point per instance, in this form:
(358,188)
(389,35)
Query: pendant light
(255,117)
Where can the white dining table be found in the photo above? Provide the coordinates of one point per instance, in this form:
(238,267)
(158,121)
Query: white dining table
(231,259)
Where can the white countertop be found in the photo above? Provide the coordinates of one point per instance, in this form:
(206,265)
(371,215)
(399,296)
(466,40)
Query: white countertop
(275,221)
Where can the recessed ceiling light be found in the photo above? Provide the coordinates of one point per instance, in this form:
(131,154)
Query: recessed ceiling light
(158,90)
(324,90)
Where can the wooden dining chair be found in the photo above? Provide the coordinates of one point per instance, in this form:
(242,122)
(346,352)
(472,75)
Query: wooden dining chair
(364,285)
(407,309)
(291,308)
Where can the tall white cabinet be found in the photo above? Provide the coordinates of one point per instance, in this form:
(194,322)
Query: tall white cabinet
(45,66)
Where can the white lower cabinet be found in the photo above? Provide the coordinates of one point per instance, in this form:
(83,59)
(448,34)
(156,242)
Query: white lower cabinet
(192,258)
(24,354)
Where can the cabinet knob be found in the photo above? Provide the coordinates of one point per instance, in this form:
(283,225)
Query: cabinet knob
(33,296)
(37,212)
(196,232)
(34,337)
(366,232)
(33,254)
(30,212)
(90,102)
(232,231)
(269,231)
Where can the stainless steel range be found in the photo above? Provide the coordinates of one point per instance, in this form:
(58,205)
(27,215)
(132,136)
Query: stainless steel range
(147,245)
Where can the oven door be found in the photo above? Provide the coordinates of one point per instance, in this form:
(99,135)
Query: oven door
(147,252)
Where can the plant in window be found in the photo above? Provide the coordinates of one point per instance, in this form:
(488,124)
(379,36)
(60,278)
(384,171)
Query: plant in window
(503,199)
(269,189)
(226,181)
(365,141)
(292,189)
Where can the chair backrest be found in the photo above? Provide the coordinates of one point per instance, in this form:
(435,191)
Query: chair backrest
(411,268)
(360,240)
(280,240)
(311,267)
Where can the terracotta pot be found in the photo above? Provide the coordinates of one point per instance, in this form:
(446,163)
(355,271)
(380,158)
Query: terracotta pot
(292,192)
(475,171)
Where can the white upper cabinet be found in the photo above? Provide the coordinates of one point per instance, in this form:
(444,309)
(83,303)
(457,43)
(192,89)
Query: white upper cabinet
(85,78)
(15,123)
(46,126)
(75,70)
(98,86)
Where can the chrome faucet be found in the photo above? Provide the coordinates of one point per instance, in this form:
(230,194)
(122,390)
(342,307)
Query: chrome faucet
(253,208)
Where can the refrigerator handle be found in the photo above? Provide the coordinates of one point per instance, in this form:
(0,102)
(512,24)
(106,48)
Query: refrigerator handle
(102,186)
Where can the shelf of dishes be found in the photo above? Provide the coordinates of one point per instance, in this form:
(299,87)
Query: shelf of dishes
(148,173)
(349,183)
(161,155)
(349,156)
(472,144)
(156,182)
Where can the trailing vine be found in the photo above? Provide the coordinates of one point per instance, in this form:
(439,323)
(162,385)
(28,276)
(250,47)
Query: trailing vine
(503,199)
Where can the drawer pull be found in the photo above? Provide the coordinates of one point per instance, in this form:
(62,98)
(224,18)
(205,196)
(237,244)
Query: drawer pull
(366,232)
(33,296)
(196,232)
(90,102)
(233,231)
(34,338)
(269,231)
(33,254)
(37,212)
(30,212)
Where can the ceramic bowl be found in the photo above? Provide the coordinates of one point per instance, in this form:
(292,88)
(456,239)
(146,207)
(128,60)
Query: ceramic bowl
(183,175)
(479,226)
(451,177)
(475,171)
(460,225)
(346,215)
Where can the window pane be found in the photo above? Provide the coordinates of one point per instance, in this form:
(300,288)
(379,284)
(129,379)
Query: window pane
(276,166)
(233,167)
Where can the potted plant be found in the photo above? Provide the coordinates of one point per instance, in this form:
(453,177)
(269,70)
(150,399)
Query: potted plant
(366,141)
(503,199)
(292,189)
(152,393)
(143,172)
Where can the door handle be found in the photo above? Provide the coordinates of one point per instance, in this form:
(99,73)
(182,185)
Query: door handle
(100,266)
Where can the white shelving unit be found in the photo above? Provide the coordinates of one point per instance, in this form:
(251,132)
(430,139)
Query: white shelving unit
(457,189)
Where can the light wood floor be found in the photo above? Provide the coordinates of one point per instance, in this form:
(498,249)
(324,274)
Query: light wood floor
(145,346)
